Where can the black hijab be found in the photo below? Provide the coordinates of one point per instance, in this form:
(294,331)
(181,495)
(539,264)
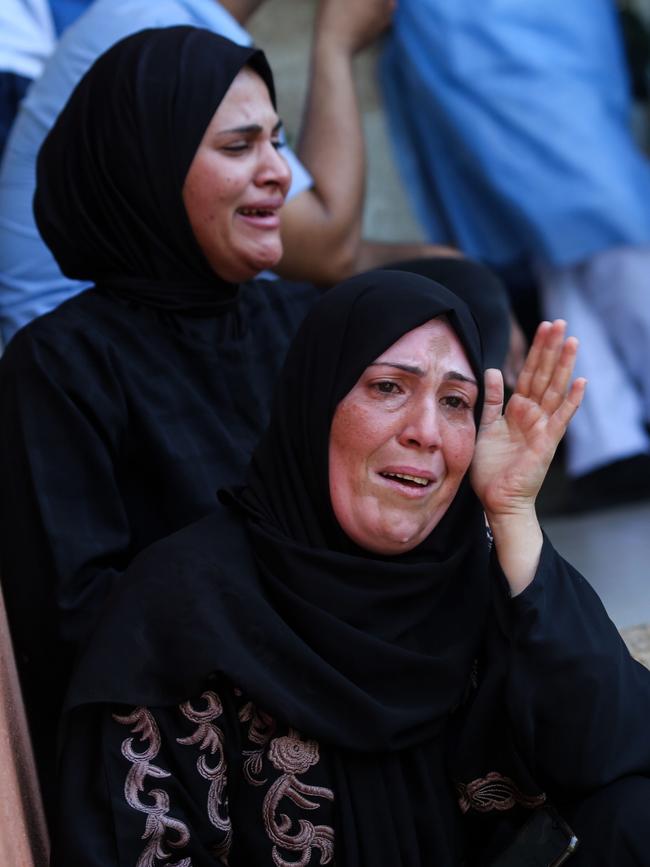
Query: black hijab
(368,654)
(110,173)
(481,289)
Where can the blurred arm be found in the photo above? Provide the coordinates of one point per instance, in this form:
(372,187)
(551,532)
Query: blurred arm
(321,227)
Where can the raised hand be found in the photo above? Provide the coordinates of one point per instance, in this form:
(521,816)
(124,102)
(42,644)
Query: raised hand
(514,449)
(353,24)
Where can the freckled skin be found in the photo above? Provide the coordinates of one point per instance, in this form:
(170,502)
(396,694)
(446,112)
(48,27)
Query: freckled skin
(396,419)
(234,170)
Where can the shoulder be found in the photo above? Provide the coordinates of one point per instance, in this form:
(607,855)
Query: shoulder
(79,330)
(162,629)
(279,301)
(81,352)
(197,555)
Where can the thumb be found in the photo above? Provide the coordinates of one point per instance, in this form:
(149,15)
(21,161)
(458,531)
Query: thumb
(493,406)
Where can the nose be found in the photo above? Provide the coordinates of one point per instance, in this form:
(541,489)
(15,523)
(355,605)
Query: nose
(421,429)
(273,168)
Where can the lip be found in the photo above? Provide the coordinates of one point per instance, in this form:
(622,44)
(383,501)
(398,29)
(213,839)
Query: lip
(411,492)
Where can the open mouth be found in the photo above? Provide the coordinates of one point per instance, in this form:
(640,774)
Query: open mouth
(256,212)
(408,480)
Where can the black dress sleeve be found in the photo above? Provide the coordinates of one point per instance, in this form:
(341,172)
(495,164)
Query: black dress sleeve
(64,531)
(578,703)
(144,785)
(61,427)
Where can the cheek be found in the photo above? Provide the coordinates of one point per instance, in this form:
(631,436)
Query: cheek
(459,449)
(351,444)
(214,181)
(343,436)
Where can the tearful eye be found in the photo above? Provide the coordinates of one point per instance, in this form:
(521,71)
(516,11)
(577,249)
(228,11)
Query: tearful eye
(455,402)
(387,387)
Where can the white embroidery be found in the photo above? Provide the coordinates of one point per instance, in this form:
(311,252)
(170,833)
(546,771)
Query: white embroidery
(158,824)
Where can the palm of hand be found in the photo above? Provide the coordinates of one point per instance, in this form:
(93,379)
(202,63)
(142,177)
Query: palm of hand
(514,450)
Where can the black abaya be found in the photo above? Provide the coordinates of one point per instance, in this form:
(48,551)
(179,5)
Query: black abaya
(118,426)
(383,711)
(123,411)
(575,747)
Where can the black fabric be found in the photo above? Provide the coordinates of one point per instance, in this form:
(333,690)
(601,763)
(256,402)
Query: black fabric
(483,292)
(110,173)
(123,411)
(322,635)
(564,692)
(118,423)
(560,710)
(372,656)
(354,617)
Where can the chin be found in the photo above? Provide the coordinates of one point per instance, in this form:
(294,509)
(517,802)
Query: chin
(391,540)
(262,258)
(246,270)
(388,546)
(394,549)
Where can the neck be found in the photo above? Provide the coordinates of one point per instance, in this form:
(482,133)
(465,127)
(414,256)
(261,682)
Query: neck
(241,10)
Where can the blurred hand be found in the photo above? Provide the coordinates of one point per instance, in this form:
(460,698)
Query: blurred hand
(514,450)
(353,24)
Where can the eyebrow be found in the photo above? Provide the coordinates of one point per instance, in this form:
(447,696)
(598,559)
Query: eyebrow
(413,368)
(251,128)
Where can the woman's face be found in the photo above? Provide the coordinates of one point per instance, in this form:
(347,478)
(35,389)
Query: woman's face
(237,183)
(402,439)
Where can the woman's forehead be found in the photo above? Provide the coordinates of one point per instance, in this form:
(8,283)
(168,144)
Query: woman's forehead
(433,340)
(247,100)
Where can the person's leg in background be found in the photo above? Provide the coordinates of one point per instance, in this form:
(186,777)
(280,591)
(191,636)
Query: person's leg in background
(607,445)
(617,284)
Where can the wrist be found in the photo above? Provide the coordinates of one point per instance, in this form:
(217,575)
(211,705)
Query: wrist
(518,543)
(329,46)
(518,514)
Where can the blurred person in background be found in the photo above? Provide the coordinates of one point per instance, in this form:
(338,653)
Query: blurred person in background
(28,32)
(512,122)
(27,38)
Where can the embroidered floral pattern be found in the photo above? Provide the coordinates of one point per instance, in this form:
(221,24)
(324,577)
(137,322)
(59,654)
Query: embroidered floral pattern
(209,738)
(292,756)
(494,792)
(260,731)
(159,826)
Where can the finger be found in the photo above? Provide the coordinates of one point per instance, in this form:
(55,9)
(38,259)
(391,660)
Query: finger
(557,388)
(550,355)
(532,360)
(493,402)
(560,419)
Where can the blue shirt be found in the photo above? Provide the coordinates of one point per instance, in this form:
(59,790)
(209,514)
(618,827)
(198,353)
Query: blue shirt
(30,280)
(64,12)
(512,124)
